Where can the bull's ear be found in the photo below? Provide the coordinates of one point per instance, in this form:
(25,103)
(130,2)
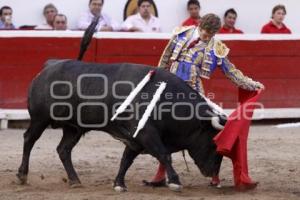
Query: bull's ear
(215,122)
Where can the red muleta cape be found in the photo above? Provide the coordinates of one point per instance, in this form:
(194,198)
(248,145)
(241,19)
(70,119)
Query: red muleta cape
(232,140)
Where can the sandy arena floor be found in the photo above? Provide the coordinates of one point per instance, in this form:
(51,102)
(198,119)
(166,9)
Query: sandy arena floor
(274,161)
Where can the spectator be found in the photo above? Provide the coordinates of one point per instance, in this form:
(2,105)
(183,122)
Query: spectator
(276,24)
(143,21)
(6,18)
(193,7)
(95,10)
(229,22)
(60,22)
(49,12)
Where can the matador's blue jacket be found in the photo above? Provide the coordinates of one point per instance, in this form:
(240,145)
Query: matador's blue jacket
(191,63)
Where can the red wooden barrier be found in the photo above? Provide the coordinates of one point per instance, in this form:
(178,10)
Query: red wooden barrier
(273,62)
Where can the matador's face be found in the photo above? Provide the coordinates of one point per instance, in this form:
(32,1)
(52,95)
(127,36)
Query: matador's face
(205,36)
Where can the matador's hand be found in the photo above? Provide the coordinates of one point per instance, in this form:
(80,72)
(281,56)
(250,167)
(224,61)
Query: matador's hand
(259,86)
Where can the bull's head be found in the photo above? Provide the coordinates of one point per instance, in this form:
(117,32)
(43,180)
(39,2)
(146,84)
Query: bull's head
(203,149)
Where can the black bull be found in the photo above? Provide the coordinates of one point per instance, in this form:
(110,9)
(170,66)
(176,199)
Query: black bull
(59,96)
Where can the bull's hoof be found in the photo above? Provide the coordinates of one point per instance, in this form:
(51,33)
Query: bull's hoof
(75,184)
(120,189)
(215,184)
(21,179)
(175,187)
(161,183)
(218,185)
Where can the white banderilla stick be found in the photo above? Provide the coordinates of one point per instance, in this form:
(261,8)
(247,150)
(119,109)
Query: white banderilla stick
(150,107)
(133,94)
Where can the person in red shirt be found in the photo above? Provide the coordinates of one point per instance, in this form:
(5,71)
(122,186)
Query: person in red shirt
(276,24)
(230,17)
(193,7)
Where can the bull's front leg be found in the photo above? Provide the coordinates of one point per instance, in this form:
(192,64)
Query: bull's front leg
(153,144)
(173,178)
(127,159)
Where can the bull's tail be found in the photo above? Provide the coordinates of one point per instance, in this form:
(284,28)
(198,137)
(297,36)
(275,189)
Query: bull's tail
(87,37)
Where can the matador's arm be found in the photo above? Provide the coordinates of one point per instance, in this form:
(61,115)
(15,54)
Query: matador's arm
(231,72)
(237,77)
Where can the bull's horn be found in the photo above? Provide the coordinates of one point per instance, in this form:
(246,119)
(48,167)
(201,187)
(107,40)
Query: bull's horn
(215,122)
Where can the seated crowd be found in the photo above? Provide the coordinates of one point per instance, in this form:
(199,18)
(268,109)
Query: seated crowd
(142,21)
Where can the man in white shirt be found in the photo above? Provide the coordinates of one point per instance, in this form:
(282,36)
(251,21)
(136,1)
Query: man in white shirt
(49,12)
(143,21)
(6,18)
(95,10)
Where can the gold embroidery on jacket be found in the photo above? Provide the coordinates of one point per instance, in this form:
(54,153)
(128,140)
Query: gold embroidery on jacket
(207,61)
(237,77)
(220,49)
